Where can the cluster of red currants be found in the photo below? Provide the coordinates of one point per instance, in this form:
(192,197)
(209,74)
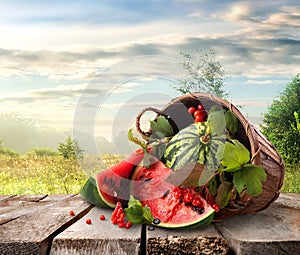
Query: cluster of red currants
(118,217)
(190,196)
(199,113)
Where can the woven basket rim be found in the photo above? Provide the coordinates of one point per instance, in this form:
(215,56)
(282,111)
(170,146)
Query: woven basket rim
(251,131)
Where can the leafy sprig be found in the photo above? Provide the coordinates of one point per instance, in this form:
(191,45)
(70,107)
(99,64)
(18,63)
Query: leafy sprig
(137,213)
(245,175)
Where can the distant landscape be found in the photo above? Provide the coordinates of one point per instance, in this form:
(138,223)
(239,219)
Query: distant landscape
(23,135)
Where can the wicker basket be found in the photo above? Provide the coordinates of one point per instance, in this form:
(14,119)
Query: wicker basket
(262,151)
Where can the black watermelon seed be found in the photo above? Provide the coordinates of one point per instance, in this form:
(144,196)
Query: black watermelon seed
(148,179)
(201,210)
(156,221)
(151,228)
(166,193)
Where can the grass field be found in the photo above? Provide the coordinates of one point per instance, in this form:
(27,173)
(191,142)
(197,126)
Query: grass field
(32,174)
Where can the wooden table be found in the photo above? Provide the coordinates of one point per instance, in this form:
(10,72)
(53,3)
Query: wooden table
(41,224)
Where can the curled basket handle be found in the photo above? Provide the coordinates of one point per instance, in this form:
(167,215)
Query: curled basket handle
(138,119)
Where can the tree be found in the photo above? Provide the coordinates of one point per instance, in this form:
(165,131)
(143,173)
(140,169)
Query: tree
(280,122)
(206,74)
(70,149)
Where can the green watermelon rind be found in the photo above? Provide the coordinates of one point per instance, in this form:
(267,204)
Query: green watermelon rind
(196,224)
(90,193)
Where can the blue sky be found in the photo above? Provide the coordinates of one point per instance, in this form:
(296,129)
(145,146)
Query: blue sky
(52,51)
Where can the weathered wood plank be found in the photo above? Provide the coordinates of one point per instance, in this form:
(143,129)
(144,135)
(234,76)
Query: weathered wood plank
(101,237)
(185,242)
(33,232)
(4,197)
(7,201)
(56,197)
(275,231)
(16,206)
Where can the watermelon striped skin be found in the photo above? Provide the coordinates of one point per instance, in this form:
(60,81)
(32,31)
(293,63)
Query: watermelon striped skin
(194,143)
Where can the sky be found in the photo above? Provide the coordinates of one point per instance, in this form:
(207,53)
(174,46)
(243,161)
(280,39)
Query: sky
(90,66)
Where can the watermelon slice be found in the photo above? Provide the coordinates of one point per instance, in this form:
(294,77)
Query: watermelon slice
(151,189)
(112,184)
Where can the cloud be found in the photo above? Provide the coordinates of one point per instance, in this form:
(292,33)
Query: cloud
(255,39)
(252,102)
(62,92)
(264,82)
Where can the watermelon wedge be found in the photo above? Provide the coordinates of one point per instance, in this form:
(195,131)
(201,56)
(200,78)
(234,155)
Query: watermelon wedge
(112,184)
(169,209)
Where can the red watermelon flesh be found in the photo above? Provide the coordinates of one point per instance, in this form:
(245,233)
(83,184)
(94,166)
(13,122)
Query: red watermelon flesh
(153,191)
(114,182)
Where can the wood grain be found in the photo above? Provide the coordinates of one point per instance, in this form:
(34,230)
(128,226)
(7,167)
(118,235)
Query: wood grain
(101,237)
(32,233)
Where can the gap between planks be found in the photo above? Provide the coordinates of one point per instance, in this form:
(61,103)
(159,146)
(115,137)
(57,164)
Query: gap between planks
(32,231)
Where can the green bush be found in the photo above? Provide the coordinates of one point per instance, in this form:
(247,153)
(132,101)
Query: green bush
(279,123)
(9,152)
(70,149)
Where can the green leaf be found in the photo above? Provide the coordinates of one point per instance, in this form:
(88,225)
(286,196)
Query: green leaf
(223,194)
(216,120)
(132,202)
(161,126)
(147,215)
(235,156)
(251,177)
(232,122)
(136,213)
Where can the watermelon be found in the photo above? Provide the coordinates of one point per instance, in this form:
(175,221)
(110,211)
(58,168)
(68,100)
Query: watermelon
(195,143)
(112,184)
(151,189)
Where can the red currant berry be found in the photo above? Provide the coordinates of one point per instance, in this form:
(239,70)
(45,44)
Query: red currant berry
(177,193)
(88,221)
(200,107)
(128,225)
(197,202)
(216,207)
(197,112)
(191,110)
(102,217)
(72,213)
(185,191)
(119,212)
(121,224)
(198,118)
(187,198)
